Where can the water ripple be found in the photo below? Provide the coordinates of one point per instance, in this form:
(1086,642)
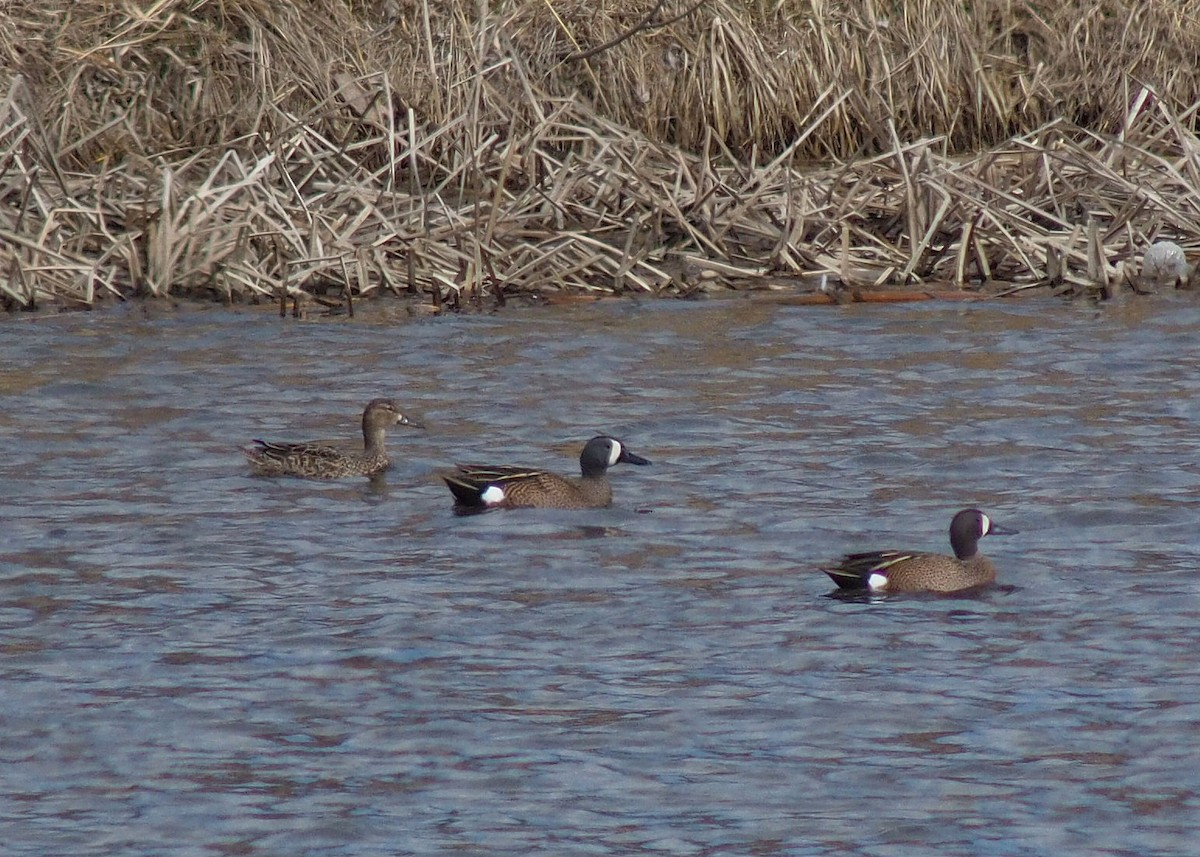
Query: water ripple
(199,661)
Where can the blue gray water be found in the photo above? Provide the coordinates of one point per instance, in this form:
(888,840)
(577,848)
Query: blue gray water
(196,661)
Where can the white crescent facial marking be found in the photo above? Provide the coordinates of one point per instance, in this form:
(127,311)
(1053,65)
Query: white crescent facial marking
(614,453)
(985,524)
(877,582)
(492,495)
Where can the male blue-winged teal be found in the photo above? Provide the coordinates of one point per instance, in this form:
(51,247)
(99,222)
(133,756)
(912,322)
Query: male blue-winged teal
(477,487)
(321,461)
(899,571)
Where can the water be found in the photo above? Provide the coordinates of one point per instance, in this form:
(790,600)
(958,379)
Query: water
(200,662)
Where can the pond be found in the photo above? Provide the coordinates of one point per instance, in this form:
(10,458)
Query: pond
(200,661)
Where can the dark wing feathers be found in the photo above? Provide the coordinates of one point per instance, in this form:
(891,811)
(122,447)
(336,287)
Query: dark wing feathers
(493,474)
(854,568)
(286,451)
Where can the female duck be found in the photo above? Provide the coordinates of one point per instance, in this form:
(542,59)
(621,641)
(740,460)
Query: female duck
(322,461)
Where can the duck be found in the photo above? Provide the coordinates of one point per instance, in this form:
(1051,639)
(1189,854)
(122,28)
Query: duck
(478,487)
(886,571)
(319,460)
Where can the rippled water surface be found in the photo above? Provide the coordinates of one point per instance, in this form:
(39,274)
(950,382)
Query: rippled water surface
(199,661)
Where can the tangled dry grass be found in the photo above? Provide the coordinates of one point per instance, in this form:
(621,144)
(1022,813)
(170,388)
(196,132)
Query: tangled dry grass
(253,149)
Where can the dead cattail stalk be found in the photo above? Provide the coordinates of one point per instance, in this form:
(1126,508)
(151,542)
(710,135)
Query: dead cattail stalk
(307,149)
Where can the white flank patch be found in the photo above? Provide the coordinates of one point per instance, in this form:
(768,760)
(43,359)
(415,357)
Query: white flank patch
(492,495)
(615,452)
(877,581)
(985,523)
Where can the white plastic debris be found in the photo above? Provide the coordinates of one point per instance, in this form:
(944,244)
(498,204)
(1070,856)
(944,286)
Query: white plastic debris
(1164,264)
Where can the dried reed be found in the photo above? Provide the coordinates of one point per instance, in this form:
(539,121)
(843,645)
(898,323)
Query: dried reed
(253,149)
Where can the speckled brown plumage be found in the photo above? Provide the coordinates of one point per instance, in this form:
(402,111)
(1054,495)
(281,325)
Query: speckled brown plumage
(477,487)
(322,461)
(899,571)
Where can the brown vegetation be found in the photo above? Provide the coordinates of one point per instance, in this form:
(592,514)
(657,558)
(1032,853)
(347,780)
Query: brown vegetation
(245,149)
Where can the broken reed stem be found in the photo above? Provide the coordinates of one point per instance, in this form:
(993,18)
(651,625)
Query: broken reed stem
(211,239)
(465,165)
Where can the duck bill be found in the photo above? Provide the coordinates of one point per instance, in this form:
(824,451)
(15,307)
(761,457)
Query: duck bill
(628,457)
